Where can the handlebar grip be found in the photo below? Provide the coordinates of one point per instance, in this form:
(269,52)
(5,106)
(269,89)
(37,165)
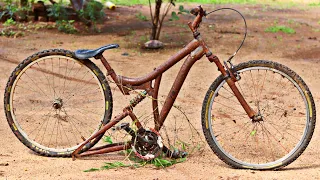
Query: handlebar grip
(195,11)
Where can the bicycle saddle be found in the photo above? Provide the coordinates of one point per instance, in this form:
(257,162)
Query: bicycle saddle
(89,53)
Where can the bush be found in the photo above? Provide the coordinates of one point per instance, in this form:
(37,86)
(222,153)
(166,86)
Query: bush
(58,12)
(66,26)
(92,11)
(8,11)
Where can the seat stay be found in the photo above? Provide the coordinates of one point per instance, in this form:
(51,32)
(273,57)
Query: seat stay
(89,53)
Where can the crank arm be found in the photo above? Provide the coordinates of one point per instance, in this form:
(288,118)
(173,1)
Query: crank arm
(174,154)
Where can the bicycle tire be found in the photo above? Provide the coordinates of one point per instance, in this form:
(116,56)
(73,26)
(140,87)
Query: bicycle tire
(64,124)
(233,154)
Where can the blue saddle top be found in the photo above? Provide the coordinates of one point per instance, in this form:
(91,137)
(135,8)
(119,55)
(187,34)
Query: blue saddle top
(89,53)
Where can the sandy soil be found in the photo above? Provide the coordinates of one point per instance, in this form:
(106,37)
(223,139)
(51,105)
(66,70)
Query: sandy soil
(299,51)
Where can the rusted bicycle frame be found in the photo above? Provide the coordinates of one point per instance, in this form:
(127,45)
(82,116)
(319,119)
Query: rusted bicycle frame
(194,50)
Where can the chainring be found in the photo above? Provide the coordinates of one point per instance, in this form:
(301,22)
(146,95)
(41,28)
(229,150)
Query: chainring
(149,145)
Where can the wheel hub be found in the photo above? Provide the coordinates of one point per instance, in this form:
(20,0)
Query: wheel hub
(57,103)
(257,118)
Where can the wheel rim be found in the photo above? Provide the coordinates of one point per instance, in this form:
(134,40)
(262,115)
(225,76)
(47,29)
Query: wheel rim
(65,115)
(234,156)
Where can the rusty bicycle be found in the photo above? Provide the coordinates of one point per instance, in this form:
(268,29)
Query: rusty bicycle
(257,114)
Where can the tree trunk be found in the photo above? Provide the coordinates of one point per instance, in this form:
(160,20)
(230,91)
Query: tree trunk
(156,20)
(23,3)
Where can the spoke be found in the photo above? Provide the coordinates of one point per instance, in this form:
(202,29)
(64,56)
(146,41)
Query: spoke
(282,134)
(241,128)
(255,93)
(77,103)
(79,91)
(35,85)
(233,121)
(269,142)
(86,117)
(71,76)
(65,76)
(55,95)
(236,102)
(48,114)
(229,107)
(49,84)
(287,151)
(81,136)
(29,111)
(262,87)
(54,125)
(87,111)
(74,89)
(242,93)
(65,133)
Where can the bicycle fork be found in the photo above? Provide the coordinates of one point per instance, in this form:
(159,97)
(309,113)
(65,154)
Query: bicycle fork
(230,79)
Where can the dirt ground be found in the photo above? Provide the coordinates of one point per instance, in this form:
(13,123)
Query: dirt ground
(223,31)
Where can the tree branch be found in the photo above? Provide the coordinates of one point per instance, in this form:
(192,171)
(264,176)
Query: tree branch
(168,7)
(151,14)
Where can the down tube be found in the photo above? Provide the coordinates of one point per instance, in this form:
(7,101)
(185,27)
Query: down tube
(184,70)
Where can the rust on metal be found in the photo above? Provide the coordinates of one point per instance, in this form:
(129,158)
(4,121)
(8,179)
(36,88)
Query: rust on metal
(100,132)
(173,93)
(135,119)
(106,150)
(113,75)
(162,68)
(194,51)
(155,106)
(107,146)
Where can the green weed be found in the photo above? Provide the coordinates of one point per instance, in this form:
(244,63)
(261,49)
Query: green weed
(107,139)
(143,38)
(141,17)
(11,33)
(66,26)
(157,162)
(314,4)
(316,30)
(290,21)
(9,22)
(275,29)
(174,15)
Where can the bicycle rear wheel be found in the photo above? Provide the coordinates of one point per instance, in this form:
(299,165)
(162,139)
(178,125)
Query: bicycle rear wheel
(288,117)
(53,102)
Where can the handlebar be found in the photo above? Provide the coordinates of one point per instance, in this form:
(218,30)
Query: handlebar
(199,13)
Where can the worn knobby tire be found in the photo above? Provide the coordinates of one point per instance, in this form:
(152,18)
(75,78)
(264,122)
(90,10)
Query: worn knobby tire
(310,125)
(24,64)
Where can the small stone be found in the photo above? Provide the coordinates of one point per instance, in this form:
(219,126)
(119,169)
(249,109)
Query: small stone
(312,38)
(125,54)
(4,164)
(153,44)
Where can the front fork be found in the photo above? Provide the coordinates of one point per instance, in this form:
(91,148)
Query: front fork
(231,79)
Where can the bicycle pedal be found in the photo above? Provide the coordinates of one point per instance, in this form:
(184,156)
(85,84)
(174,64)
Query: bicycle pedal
(120,127)
(175,154)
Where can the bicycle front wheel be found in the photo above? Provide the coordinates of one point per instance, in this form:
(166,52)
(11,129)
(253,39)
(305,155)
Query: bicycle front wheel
(53,102)
(288,113)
